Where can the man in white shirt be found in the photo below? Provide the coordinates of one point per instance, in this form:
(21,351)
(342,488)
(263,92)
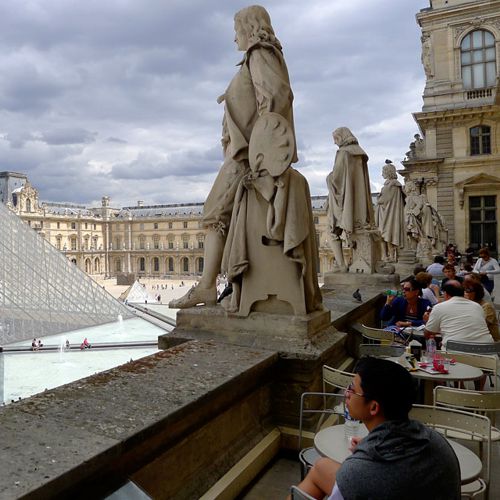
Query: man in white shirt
(436,268)
(457,318)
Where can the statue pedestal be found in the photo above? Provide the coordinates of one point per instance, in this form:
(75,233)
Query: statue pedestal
(366,251)
(259,329)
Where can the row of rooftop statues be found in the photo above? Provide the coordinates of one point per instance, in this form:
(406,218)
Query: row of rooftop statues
(258,216)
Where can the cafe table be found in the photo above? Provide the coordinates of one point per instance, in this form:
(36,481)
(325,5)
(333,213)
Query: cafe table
(457,372)
(332,442)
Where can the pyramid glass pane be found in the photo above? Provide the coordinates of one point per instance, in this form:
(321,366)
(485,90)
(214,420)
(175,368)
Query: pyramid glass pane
(41,291)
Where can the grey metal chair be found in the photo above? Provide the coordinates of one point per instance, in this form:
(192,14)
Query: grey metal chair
(449,421)
(298,494)
(309,455)
(474,347)
(381,350)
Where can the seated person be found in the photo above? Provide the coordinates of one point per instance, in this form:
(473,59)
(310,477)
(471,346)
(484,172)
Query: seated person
(474,290)
(407,310)
(457,318)
(450,273)
(436,268)
(400,458)
(429,291)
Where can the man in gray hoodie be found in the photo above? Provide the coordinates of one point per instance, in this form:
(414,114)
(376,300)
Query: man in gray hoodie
(400,458)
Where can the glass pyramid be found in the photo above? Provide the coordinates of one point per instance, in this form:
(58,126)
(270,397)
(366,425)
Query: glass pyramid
(41,291)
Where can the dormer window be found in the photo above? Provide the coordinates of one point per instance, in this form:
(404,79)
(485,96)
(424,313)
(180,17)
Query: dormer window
(478,60)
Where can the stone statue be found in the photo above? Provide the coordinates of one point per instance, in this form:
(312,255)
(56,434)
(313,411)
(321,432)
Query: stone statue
(417,148)
(349,201)
(426,57)
(260,86)
(271,248)
(413,214)
(426,230)
(390,213)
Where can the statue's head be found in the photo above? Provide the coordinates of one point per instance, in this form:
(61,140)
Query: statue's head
(253,24)
(410,187)
(389,171)
(343,136)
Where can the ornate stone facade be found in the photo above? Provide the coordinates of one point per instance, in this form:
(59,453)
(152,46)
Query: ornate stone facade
(148,240)
(459,172)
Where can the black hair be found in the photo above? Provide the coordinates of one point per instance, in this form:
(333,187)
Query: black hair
(389,384)
(453,288)
(439,259)
(415,285)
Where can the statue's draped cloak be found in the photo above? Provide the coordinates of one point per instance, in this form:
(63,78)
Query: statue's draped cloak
(390,213)
(289,221)
(349,198)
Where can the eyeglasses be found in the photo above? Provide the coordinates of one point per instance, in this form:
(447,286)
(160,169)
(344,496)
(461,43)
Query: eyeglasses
(406,289)
(350,390)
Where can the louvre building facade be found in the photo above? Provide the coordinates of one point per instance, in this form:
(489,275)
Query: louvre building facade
(150,241)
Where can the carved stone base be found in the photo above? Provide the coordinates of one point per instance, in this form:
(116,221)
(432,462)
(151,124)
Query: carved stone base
(424,251)
(366,251)
(259,329)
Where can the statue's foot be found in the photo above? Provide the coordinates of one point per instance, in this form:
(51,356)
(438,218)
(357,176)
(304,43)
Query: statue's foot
(195,296)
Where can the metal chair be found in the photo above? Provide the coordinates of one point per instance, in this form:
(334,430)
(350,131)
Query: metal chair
(487,363)
(298,494)
(474,347)
(481,402)
(333,405)
(476,427)
(309,455)
(375,335)
(381,350)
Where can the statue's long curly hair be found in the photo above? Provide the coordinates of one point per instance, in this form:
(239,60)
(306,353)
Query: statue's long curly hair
(256,22)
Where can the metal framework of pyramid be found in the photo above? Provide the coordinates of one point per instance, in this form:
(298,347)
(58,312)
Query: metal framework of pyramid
(41,291)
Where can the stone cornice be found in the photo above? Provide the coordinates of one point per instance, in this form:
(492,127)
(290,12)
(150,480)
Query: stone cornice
(445,15)
(457,115)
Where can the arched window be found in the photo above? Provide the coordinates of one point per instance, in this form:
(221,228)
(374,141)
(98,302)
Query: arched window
(156,264)
(170,265)
(185,264)
(88,266)
(28,205)
(118,265)
(97,265)
(478,60)
(200,265)
(480,140)
(142,264)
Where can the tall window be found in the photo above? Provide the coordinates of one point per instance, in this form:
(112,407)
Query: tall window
(185,265)
(28,205)
(483,222)
(200,265)
(478,60)
(73,243)
(156,241)
(142,264)
(170,265)
(480,140)
(142,242)
(156,264)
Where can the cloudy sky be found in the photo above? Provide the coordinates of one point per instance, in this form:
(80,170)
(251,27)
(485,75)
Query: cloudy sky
(118,97)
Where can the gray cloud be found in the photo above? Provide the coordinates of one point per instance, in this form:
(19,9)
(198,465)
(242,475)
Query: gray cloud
(119,98)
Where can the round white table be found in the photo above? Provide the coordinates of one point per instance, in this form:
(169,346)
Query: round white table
(331,442)
(458,372)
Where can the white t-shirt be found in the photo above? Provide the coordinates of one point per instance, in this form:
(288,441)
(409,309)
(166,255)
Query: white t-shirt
(459,319)
(435,269)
